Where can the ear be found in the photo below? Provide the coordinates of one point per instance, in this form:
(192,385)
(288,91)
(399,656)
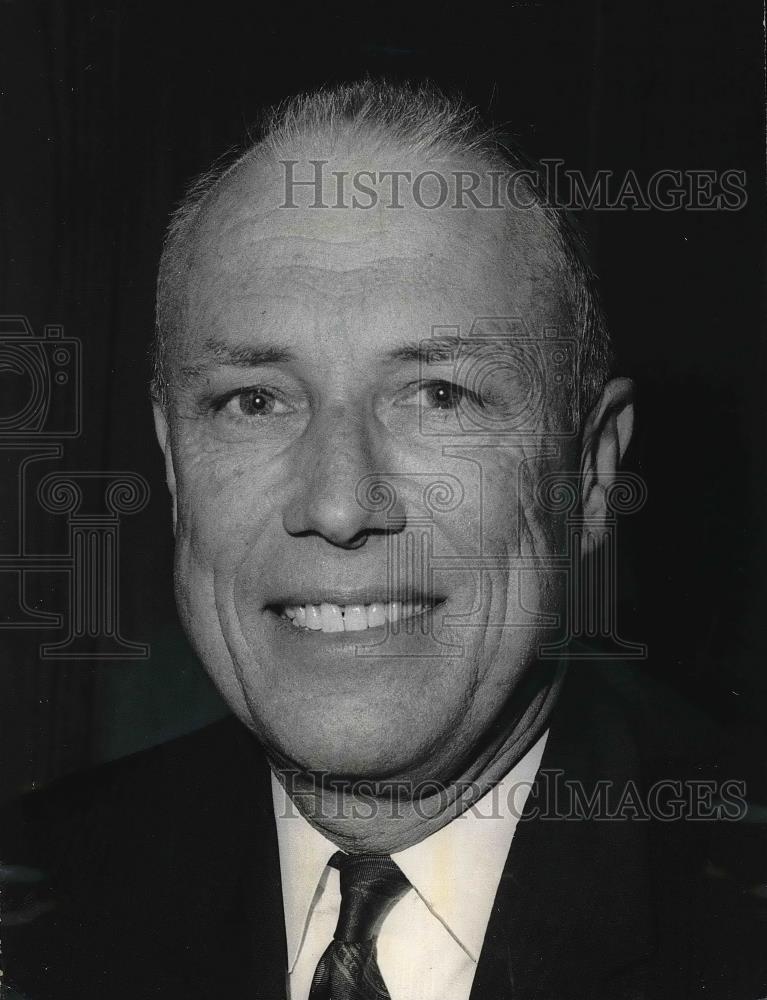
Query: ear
(606,436)
(163,438)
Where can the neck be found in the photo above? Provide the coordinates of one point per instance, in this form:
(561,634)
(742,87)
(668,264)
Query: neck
(362,816)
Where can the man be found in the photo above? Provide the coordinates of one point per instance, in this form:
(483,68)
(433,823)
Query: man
(373,373)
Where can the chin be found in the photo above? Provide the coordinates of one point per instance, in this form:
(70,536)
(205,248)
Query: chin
(345,740)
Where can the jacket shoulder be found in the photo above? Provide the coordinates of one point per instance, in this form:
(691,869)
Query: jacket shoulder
(42,824)
(117,874)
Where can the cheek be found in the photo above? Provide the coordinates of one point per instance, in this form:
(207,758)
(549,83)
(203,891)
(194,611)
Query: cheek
(500,514)
(521,590)
(222,505)
(535,529)
(490,519)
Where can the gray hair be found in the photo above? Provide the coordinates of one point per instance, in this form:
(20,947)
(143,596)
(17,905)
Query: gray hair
(428,123)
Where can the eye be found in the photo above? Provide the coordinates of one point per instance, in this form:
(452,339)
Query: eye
(439,397)
(443,395)
(253,402)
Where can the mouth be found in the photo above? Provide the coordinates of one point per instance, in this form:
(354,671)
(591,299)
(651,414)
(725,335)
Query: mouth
(329,616)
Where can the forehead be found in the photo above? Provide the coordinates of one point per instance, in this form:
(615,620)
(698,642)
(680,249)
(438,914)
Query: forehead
(254,263)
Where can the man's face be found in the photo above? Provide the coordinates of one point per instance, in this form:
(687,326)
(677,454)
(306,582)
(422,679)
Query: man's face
(300,382)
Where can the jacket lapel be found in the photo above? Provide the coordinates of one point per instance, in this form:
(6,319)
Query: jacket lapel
(572,907)
(258,921)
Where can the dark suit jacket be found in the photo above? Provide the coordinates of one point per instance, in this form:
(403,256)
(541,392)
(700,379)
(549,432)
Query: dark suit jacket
(161,875)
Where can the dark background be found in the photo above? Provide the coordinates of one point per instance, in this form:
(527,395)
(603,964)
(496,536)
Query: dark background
(110,107)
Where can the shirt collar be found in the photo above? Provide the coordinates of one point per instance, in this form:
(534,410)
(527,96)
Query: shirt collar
(304,855)
(455,871)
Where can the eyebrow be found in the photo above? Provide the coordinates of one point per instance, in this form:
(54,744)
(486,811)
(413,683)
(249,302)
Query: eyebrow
(236,356)
(244,355)
(426,350)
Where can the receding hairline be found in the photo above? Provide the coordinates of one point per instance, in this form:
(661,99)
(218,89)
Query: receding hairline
(306,125)
(417,122)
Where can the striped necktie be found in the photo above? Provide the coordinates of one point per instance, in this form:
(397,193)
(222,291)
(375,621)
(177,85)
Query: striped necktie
(370,885)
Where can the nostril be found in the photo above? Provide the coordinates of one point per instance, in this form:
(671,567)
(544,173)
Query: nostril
(330,508)
(358,541)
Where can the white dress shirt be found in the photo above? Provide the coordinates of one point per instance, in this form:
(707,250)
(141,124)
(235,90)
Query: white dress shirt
(429,943)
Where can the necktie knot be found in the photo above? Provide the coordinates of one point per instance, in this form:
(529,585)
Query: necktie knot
(348,969)
(370,885)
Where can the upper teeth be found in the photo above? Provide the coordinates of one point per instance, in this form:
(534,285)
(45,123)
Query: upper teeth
(350,617)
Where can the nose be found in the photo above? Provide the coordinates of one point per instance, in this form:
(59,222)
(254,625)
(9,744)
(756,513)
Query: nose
(337,456)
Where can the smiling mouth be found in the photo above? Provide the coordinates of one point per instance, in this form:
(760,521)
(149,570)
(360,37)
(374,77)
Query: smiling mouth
(327,617)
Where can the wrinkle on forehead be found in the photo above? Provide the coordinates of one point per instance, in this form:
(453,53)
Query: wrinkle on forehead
(249,200)
(243,243)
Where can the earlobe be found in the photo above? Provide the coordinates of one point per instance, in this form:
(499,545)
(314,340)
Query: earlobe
(606,436)
(163,439)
